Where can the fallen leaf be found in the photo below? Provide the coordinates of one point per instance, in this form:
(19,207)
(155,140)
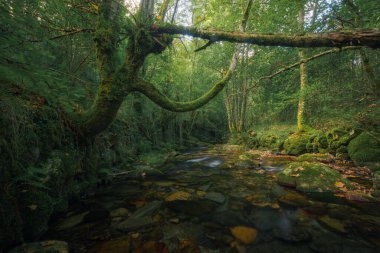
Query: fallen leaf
(339,184)
(299,169)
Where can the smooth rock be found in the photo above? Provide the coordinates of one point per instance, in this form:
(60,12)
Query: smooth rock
(292,234)
(331,243)
(164,183)
(245,235)
(229,219)
(42,247)
(267,218)
(279,247)
(180,195)
(215,196)
(147,210)
(134,223)
(119,212)
(119,245)
(192,207)
(293,199)
(96,215)
(333,224)
(71,221)
(204,187)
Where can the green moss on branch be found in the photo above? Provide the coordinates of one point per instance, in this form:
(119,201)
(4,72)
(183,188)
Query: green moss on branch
(369,38)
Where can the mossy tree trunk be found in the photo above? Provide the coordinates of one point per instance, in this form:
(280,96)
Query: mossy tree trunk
(303,74)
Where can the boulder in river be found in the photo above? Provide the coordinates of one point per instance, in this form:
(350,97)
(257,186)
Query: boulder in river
(312,178)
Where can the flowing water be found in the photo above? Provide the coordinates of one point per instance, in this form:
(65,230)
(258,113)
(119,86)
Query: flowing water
(199,202)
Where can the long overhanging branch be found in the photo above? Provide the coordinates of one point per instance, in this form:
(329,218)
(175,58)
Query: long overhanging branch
(150,91)
(369,38)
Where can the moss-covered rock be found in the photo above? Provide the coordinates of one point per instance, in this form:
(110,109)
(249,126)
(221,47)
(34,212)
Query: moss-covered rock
(296,143)
(315,157)
(312,177)
(338,139)
(365,148)
(43,247)
(318,143)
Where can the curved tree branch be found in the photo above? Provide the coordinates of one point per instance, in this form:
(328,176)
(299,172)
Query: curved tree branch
(150,91)
(369,37)
(161,100)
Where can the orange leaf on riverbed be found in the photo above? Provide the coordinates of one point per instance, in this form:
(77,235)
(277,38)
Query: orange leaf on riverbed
(339,184)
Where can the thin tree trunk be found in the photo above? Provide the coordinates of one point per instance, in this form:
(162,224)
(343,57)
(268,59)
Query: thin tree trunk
(303,76)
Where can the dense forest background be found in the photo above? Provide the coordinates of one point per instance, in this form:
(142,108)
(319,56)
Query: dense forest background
(48,73)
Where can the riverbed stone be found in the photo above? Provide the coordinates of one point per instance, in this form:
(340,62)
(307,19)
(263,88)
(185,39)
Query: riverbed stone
(119,245)
(245,235)
(42,247)
(297,234)
(216,197)
(294,199)
(180,195)
(229,218)
(96,215)
(119,212)
(312,177)
(330,243)
(148,209)
(134,223)
(192,207)
(333,224)
(71,221)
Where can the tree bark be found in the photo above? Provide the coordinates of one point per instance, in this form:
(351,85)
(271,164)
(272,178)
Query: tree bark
(369,38)
(303,75)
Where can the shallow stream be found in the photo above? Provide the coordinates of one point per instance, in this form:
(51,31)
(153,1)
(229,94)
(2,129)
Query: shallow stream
(213,201)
